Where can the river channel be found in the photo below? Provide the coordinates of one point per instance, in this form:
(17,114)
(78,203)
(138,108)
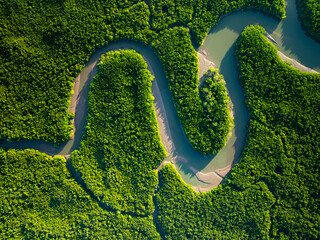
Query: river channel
(218,46)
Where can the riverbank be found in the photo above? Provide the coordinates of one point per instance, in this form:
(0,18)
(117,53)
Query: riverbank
(295,63)
(76,107)
(164,130)
(210,179)
(211,172)
(204,65)
(168,122)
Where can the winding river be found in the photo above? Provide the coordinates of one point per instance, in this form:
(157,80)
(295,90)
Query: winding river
(203,172)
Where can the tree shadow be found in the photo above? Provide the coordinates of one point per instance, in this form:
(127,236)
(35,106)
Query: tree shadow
(295,41)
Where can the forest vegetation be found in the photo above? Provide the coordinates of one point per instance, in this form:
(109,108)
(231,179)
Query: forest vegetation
(201,15)
(39,199)
(217,107)
(122,147)
(309,13)
(272,193)
(180,62)
(44,45)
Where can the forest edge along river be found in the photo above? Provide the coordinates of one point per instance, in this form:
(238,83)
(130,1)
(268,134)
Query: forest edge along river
(202,172)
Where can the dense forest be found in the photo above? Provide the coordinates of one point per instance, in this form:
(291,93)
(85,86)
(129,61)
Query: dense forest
(217,107)
(180,62)
(122,148)
(44,44)
(201,15)
(39,199)
(309,13)
(273,193)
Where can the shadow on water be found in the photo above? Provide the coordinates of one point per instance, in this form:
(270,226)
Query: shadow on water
(221,38)
(293,40)
(81,111)
(228,69)
(231,152)
(219,46)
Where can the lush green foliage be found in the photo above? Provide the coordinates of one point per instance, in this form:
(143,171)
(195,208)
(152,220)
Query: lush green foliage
(273,192)
(284,100)
(201,15)
(168,13)
(131,23)
(180,62)
(40,200)
(309,13)
(224,213)
(207,13)
(44,44)
(216,107)
(122,147)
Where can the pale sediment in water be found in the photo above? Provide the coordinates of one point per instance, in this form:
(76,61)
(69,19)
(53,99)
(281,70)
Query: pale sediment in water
(204,65)
(164,130)
(75,98)
(163,124)
(270,38)
(294,63)
(73,101)
(219,43)
(210,179)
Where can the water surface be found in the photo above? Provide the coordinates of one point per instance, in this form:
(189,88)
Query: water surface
(219,45)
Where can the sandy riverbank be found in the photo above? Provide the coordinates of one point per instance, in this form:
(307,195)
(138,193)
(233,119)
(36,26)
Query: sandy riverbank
(164,129)
(211,179)
(78,99)
(78,105)
(163,124)
(204,65)
(295,63)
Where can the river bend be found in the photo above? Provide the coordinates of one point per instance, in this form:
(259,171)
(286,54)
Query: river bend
(203,172)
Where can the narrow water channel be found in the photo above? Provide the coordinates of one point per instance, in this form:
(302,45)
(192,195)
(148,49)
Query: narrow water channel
(219,46)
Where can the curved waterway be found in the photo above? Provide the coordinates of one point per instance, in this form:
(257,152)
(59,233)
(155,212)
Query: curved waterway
(289,38)
(203,172)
